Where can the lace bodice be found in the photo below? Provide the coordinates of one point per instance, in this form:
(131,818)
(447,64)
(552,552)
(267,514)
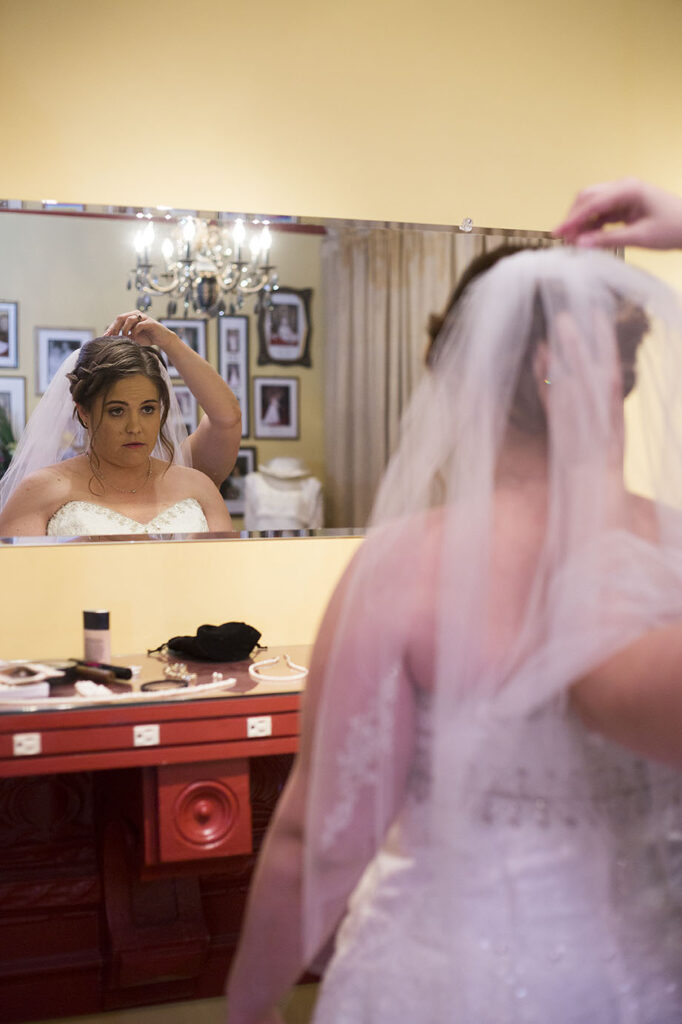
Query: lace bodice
(564,876)
(87,519)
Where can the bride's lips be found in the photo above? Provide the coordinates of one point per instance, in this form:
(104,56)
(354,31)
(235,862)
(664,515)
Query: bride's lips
(134,444)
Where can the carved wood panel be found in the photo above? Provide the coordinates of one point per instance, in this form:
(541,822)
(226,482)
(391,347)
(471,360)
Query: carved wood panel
(82,928)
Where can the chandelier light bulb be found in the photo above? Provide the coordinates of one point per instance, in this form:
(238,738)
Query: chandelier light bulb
(201,266)
(148,236)
(167,249)
(239,232)
(265,243)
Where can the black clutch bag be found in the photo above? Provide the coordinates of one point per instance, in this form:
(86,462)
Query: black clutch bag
(232,641)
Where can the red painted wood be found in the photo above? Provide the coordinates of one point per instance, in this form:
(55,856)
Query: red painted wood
(124,870)
(18,767)
(202,811)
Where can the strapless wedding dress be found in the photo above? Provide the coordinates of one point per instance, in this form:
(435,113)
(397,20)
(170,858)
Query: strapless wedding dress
(560,903)
(86,519)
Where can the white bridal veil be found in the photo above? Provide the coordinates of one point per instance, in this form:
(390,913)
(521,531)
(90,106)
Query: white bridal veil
(521,557)
(53,431)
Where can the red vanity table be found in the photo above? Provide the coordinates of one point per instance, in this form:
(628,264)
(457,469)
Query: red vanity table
(128,834)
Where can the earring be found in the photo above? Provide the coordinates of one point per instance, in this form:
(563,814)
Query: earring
(547,380)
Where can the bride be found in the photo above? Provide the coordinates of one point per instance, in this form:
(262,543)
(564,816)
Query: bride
(486,807)
(132,477)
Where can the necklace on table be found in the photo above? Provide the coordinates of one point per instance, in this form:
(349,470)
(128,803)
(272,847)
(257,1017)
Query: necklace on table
(122,490)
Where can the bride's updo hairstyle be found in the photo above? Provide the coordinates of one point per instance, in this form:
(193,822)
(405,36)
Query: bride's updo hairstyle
(527,412)
(104,361)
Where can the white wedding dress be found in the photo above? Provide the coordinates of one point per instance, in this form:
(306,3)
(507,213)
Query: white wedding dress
(566,883)
(87,519)
(532,870)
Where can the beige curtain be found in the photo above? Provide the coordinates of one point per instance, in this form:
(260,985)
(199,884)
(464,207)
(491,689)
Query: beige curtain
(380,285)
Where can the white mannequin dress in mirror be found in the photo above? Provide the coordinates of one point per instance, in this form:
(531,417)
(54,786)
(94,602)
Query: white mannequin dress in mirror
(283,495)
(112,401)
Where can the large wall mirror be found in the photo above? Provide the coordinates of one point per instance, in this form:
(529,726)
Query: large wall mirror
(353,300)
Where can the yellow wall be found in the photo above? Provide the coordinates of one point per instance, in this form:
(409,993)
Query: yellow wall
(389,109)
(423,111)
(157,590)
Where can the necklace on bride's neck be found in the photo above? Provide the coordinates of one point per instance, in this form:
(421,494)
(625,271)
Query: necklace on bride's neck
(122,490)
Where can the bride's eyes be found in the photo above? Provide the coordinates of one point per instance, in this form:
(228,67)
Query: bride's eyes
(119,410)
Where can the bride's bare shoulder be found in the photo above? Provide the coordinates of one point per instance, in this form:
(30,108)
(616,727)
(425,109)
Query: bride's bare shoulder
(183,478)
(36,498)
(56,478)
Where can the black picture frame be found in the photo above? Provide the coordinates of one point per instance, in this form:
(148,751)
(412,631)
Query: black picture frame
(276,408)
(233,489)
(53,346)
(192,332)
(284,327)
(188,406)
(233,360)
(9,337)
(13,402)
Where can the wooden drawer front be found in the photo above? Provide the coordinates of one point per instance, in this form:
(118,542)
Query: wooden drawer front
(203,810)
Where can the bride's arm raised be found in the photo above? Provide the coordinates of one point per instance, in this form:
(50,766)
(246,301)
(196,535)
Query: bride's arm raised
(635,698)
(210,499)
(214,445)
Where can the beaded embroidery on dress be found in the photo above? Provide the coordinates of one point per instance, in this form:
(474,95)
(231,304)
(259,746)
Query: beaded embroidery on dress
(525,934)
(514,868)
(87,519)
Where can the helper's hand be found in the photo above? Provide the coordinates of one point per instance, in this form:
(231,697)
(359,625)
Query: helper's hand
(650,217)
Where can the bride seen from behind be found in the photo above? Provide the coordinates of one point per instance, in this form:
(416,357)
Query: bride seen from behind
(131,478)
(486,803)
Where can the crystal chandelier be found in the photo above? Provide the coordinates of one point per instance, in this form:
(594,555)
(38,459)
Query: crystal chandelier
(207,267)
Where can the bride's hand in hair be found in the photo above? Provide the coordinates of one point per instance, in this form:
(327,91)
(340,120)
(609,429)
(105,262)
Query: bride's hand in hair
(650,217)
(143,329)
(214,445)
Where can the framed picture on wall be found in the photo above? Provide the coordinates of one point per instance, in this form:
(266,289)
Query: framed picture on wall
(233,360)
(13,403)
(275,403)
(233,489)
(9,354)
(192,332)
(188,406)
(53,345)
(284,329)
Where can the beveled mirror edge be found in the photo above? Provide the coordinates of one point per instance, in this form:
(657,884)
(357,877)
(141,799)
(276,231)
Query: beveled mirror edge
(282,222)
(327,533)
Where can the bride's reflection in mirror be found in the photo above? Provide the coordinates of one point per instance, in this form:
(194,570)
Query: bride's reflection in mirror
(371,286)
(114,397)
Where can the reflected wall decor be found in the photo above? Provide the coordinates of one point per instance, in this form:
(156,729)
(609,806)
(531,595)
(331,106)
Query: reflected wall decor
(233,360)
(192,332)
(275,401)
(53,345)
(284,327)
(9,356)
